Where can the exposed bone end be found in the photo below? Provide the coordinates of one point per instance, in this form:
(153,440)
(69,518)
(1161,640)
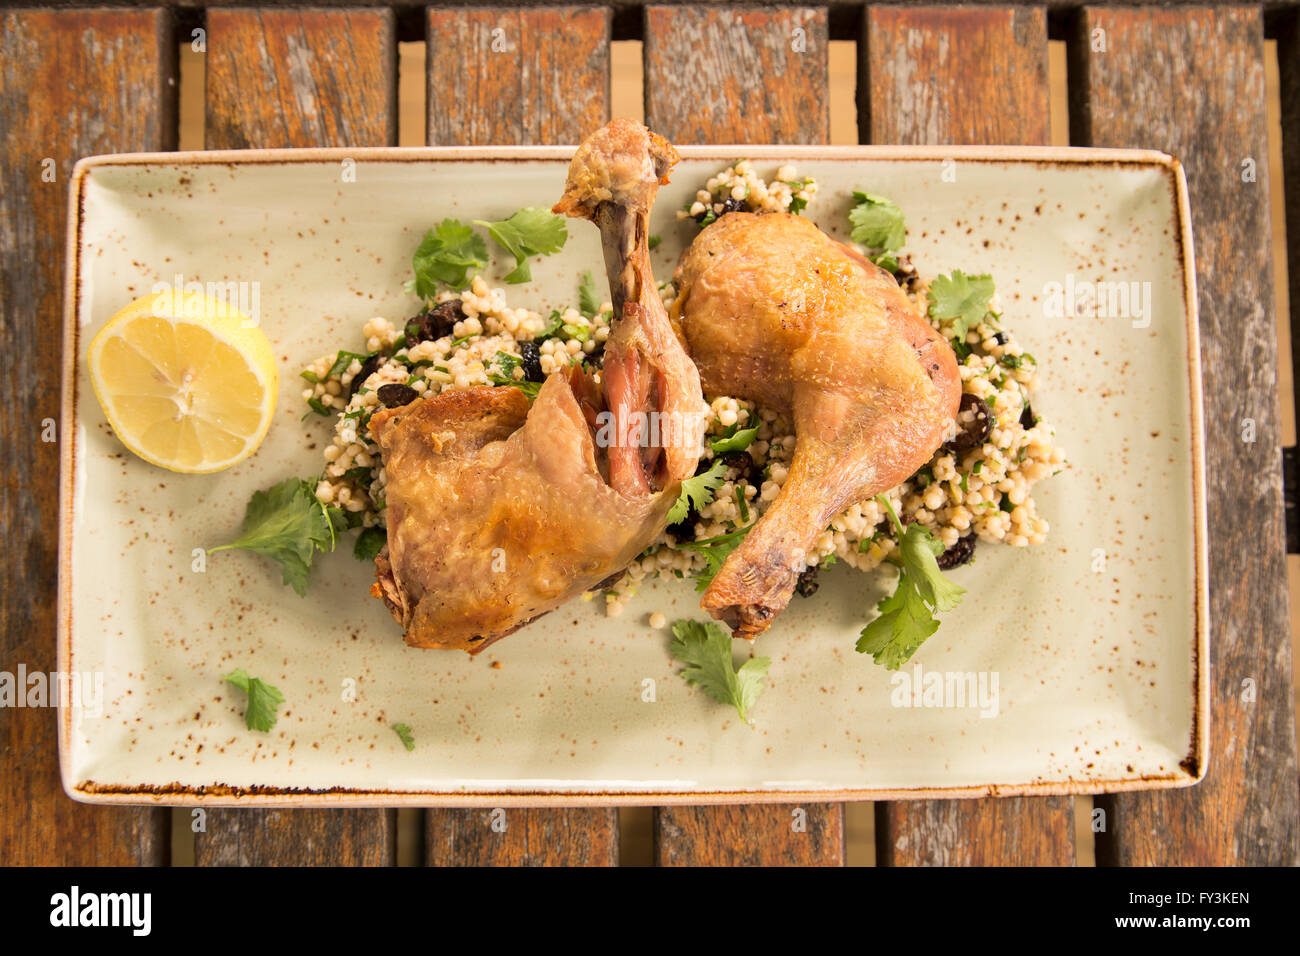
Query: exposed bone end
(622,162)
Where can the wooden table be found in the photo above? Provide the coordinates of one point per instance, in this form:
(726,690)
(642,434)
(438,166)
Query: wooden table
(76,81)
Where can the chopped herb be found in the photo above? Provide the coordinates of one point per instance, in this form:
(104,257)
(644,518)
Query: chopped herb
(369,543)
(288,524)
(263,699)
(706,650)
(310,376)
(532,231)
(653,241)
(877,223)
(907,617)
(404,735)
(734,439)
(715,551)
(742,505)
(446,256)
(319,407)
(697,492)
(343,360)
(960,299)
(575,331)
(588,297)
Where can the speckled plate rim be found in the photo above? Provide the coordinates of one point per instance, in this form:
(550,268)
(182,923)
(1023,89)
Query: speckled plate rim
(1191,770)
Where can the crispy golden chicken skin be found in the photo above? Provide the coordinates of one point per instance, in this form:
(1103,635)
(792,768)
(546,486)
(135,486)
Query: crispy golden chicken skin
(500,510)
(774,310)
(497,513)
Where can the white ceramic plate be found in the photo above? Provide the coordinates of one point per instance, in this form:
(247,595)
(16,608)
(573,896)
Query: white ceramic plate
(1097,638)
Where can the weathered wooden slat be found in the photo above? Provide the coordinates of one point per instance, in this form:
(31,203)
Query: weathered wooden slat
(750,835)
(501,75)
(297,838)
(543,78)
(994,831)
(299,78)
(722,75)
(744,75)
(1191,82)
(941,75)
(72,83)
(521,837)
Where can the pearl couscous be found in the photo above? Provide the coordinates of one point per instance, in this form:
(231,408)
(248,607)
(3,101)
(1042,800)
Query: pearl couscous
(974,487)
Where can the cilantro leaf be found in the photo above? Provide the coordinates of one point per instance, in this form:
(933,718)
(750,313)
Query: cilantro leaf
(907,617)
(736,440)
(263,699)
(697,492)
(705,649)
(369,543)
(287,524)
(532,231)
(404,735)
(716,550)
(446,255)
(877,223)
(588,297)
(961,299)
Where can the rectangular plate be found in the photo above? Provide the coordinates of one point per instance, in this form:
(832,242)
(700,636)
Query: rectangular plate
(1098,638)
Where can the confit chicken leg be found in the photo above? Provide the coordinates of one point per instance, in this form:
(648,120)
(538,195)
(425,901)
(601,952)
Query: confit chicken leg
(774,310)
(500,510)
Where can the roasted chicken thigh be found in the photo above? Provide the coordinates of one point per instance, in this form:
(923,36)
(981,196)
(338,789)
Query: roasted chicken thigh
(774,310)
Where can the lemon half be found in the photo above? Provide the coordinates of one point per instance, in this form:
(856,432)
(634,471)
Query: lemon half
(187,382)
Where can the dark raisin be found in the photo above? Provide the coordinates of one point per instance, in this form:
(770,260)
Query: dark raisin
(368,368)
(1000,338)
(434,324)
(596,357)
(1027,417)
(684,530)
(971,434)
(532,355)
(733,205)
(742,461)
(395,396)
(959,554)
(807,585)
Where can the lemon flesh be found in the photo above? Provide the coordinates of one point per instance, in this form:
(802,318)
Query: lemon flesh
(187,382)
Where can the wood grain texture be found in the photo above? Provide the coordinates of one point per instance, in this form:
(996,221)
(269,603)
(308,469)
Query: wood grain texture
(941,75)
(995,831)
(501,75)
(750,835)
(301,78)
(71,84)
(1247,810)
(722,75)
(521,837)
(717,74)
(953,75)
(297,838)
